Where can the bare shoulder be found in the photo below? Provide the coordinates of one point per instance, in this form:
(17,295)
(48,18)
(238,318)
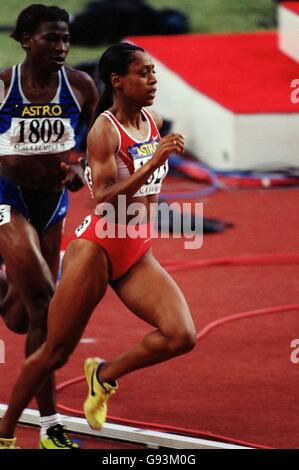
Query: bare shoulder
(102,127)
(77,77)
(103,135)
(157,118)
(5,76)
(80,80)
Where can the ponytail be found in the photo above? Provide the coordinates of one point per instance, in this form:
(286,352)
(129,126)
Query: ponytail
(105,102)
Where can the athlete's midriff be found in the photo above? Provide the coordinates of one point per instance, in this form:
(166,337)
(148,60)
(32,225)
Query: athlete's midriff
(34,171)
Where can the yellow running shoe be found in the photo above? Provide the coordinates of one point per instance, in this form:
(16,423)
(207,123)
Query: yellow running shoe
(57,438)
(8,443)
(95,405)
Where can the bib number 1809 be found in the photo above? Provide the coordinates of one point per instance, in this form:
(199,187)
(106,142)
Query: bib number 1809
(35,130)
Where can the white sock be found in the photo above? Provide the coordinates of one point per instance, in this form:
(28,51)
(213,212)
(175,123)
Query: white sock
(47,422)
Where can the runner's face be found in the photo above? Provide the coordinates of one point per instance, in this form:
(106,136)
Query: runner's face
(49,45)
(140,84)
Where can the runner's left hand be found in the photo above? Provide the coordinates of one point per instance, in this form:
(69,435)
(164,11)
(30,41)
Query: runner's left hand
(73,178)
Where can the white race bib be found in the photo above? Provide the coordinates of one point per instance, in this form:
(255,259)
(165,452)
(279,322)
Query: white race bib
(83,226)
(42,135)
(141,153)
(5,214)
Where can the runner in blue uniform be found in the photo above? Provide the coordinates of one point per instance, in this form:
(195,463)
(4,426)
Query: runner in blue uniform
(43,114)
(127,162)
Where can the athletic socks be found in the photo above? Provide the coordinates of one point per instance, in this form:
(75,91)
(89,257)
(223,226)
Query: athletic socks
(47,422)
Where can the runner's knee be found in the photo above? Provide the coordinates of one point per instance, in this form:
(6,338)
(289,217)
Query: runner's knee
(37,305)
(48,358)
(57,355)
(182,341)
(17,321)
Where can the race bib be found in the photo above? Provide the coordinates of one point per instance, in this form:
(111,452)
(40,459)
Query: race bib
(142,153)
(5,214)
(41,129)
(88,178)
(83,226)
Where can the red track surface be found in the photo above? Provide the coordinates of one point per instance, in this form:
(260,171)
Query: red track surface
(239,381)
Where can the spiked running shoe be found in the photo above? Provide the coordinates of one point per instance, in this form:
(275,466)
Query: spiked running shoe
(8,443)
(57,438)
(95,405)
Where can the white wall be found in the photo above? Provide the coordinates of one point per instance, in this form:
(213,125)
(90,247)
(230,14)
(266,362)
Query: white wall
(288,24)
(219,137)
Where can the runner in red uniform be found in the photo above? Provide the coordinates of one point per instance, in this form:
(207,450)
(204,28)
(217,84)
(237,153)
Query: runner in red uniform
(131,155)
(127,161)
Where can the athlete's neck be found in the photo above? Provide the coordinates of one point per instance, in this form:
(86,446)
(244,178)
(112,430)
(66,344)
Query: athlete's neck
(131,117)
(37,77)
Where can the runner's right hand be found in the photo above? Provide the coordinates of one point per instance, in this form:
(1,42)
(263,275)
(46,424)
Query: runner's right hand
(172,143)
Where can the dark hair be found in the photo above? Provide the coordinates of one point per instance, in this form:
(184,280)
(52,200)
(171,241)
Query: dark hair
(115,59)
(31,17)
